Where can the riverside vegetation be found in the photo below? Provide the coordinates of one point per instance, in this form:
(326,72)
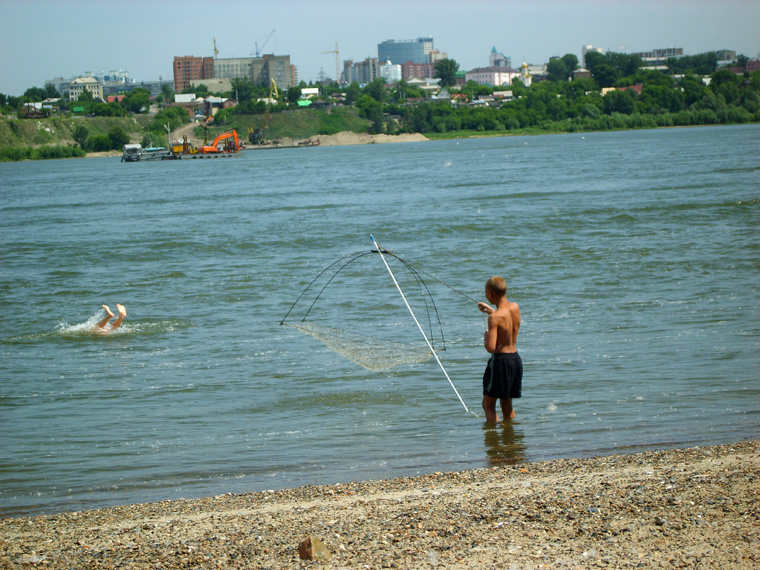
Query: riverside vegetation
(641,99)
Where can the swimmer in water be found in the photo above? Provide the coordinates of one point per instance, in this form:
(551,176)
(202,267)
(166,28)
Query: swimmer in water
(102,326)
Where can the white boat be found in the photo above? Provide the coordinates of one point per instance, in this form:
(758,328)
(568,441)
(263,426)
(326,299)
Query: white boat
(136,153)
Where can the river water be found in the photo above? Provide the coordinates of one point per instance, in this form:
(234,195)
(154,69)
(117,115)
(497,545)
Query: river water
(634,256)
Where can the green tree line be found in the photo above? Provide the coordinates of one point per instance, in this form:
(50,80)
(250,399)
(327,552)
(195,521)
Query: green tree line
(577,105)
(561,103)
(15,153)
(134,101)
(635,98)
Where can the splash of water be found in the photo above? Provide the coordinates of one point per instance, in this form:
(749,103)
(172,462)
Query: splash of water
(89,327)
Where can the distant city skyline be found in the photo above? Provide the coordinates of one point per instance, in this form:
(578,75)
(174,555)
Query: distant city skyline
(44,39)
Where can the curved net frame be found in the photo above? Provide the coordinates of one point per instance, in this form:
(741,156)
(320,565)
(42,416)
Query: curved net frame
(366,351)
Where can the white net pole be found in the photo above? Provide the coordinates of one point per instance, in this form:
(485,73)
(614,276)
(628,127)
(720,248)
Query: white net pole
(438,360)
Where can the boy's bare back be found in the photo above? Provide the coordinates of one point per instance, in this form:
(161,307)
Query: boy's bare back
(503,323)
(506,321)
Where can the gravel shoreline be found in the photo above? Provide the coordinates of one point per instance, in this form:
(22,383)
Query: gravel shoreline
(688,508)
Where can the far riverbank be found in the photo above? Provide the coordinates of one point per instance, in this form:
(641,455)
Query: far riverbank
(340,139)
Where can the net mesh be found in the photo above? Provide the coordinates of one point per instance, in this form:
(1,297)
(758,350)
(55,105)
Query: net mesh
(367,352)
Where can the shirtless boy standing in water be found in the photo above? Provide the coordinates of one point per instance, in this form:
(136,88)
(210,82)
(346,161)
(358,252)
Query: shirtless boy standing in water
(101,326)
(502,379)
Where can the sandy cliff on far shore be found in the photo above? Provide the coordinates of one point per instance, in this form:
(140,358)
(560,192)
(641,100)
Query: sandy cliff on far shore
(349,138)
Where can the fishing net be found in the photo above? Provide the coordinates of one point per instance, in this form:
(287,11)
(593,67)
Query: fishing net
(354,308)
(338,299)
(370,353)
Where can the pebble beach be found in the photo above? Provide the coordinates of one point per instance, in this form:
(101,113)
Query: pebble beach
(688,508)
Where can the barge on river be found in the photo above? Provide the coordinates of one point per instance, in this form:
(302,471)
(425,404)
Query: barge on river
(225,145)
(136,153)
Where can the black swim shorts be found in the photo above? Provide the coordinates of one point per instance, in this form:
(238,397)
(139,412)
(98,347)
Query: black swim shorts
(503,376)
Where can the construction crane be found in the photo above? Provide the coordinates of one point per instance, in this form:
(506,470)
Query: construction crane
(263,44)
(336,51)
(274,93)
(216,51)
(274,98)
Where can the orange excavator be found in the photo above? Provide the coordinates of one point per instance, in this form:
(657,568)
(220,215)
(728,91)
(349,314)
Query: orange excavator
(229,140)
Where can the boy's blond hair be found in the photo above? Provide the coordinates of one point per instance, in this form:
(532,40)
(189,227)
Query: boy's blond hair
(497,285)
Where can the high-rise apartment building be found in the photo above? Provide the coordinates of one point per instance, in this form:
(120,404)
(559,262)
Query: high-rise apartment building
(233,67)
(259,70)
(360,72)
(188,67)
(277,67)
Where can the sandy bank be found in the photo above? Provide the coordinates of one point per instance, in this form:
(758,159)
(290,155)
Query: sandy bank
(695,508)
(343,138)
(349,138)
(106,154)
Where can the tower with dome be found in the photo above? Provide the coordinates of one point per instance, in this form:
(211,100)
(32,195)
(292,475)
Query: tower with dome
(498,59)
(525,75)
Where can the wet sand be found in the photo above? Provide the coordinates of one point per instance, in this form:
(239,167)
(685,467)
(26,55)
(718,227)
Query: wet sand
(689,508)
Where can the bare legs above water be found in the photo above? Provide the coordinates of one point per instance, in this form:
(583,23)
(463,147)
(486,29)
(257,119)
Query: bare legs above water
(489,407)
(101,326)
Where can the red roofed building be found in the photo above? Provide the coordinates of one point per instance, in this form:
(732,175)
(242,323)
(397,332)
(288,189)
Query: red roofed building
(636,88)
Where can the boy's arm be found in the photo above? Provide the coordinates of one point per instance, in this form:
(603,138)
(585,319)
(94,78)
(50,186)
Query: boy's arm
(516,319)
(491,335)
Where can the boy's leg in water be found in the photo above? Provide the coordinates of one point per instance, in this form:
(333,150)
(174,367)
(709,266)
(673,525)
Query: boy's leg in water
(122,313)
(489,407)
(506,408)
(109,315)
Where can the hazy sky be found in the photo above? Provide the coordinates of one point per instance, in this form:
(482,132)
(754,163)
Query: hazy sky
(40,39)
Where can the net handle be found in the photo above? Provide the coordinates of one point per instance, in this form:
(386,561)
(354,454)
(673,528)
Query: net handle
(438,360)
